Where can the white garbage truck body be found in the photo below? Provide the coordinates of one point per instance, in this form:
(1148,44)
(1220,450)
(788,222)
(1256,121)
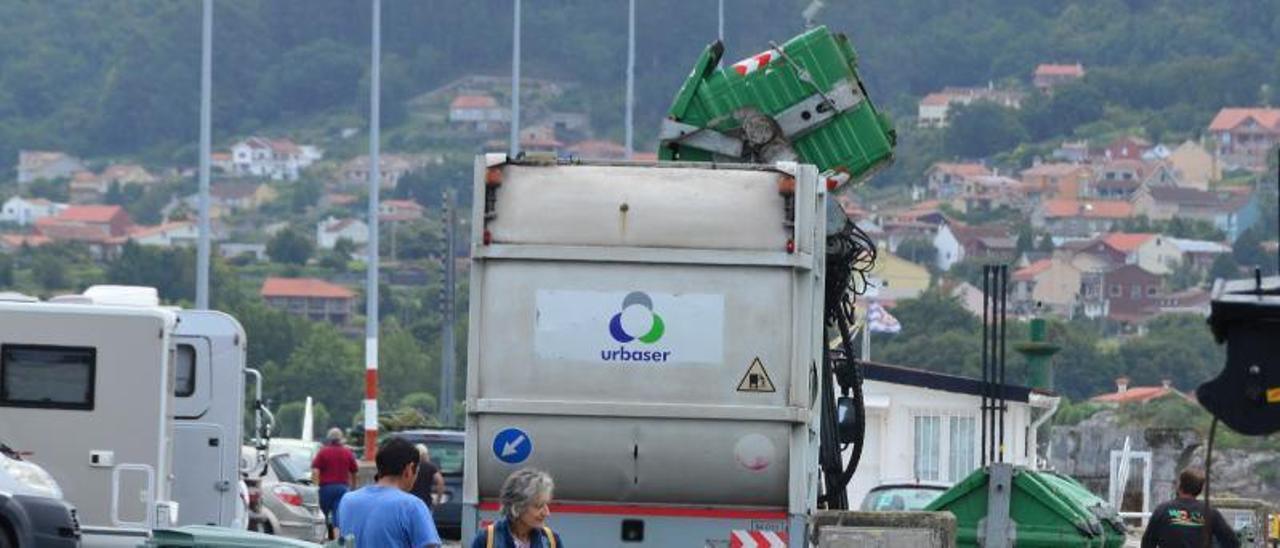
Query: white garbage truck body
(650,335)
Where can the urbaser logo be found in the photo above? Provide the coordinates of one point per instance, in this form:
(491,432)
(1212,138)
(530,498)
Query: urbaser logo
(636,321)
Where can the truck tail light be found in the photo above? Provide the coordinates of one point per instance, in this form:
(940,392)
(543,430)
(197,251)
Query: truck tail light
(787,186)
(488,237)
(287,495)
(791,245)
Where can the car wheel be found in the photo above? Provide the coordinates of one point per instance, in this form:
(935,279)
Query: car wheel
(7,538)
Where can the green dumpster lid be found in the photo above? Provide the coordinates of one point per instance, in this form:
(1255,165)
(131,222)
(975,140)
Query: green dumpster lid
(210,536)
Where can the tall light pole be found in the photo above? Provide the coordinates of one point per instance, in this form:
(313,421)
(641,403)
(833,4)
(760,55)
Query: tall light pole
(720,20)
(514,147)
(448,312)
(371,281)
(631,72)
(206,78)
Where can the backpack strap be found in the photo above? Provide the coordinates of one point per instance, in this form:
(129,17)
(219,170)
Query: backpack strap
(488,536)
(551,537)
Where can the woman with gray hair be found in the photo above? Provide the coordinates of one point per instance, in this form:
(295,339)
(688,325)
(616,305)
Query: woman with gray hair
(526,499)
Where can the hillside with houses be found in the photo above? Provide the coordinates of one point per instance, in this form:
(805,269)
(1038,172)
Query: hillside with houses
(1120,156)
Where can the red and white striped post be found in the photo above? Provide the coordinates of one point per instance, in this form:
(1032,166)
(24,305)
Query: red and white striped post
(371,280)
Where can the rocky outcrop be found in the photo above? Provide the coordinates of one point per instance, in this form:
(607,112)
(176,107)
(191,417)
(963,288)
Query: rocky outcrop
(1083,451)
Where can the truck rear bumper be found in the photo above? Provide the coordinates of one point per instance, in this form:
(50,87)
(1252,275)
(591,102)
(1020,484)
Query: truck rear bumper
(635,525)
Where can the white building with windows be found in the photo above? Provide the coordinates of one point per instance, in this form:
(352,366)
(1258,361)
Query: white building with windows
(924,426)
(26,211)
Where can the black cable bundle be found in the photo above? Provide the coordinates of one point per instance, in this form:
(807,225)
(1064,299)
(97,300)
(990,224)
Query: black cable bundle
(850,257)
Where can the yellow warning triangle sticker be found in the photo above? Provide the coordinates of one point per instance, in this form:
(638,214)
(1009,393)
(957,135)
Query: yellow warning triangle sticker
(756,379)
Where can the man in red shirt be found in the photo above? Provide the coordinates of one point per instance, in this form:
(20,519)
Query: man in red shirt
(334,470)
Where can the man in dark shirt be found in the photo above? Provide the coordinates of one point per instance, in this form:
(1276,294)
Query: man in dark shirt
(1180,522)
(430,481)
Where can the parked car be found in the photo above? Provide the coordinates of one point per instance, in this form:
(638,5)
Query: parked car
(282,500)
(300,451)
(32,511)
(446,452)
(898,497)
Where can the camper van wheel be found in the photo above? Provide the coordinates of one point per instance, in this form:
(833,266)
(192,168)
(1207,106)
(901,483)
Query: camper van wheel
(7,539)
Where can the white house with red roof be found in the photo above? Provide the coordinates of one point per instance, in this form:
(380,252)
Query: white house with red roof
(934,108)
(946,180)
(1137,394)
(35,165)
(330,230)
(25,211)
(177,233)
(1046,286)
(478,112)
(1048,76)
(311,298)
(279,159)
(1079,218)
(1242,137)
(86,223)
(399,211)
(1153,252)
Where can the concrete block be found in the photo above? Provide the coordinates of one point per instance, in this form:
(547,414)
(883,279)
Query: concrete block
(838,529)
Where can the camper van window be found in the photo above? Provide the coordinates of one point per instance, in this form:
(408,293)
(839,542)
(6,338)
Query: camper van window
(184,384)
(57,377)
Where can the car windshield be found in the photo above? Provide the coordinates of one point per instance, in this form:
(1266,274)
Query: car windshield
(285,469)
(448,456)
(899,498)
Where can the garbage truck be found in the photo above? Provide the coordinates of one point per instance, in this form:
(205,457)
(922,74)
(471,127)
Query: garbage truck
(666,338)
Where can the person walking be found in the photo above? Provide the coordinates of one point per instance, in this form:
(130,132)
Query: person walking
(430,482)
(525,500)
(385,514)
(1180,522)
(333,469)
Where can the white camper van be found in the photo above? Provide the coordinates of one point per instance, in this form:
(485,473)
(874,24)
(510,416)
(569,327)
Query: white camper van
(134,408)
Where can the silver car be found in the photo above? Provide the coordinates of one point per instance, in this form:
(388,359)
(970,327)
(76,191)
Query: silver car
(282,500)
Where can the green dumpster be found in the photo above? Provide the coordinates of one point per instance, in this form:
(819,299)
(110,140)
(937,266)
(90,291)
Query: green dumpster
(801,101)
(211,537)
(1044,509)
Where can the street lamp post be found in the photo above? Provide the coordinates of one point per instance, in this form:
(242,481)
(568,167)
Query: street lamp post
(206,78)
(371,280)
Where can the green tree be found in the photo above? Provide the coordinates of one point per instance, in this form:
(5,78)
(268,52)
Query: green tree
(421,401)
(919,251)
(56,190)
(1224,267)
(982,129)
(1248,252)
(50,271)
(1046,244)
(327,367)
(6,271)
(403,366)
(290,246)
(1026,238)
(289,419)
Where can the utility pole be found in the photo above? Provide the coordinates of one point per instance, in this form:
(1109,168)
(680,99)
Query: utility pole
(631,74)
(448,368)
(514,147)
(206,93)
(371,281)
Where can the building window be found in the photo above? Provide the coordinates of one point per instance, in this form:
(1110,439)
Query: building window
(1135,291)
(1117,290)
(962,446)
(184,366)
(55,377)
(928,447)
(1151,291)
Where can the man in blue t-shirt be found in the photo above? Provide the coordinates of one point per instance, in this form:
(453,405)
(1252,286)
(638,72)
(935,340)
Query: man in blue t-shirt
(385,514)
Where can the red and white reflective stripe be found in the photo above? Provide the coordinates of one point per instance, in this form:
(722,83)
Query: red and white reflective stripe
(755,62)
(370,397)
(757,539)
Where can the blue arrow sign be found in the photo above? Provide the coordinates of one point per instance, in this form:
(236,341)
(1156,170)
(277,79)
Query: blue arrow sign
(512,446)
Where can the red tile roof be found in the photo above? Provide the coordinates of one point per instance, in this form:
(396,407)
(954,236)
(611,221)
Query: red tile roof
(1228,118)
(144,231)
(1096,209)
(1053,170)
(304,287)
(1060,70)
(91,213)
(1136,394)
(403,204)
(1126,242)
(936,99)
(961,170)
(1032,270)
(473,101)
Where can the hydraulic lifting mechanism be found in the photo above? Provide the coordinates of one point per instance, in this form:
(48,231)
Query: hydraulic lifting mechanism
(802,101)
